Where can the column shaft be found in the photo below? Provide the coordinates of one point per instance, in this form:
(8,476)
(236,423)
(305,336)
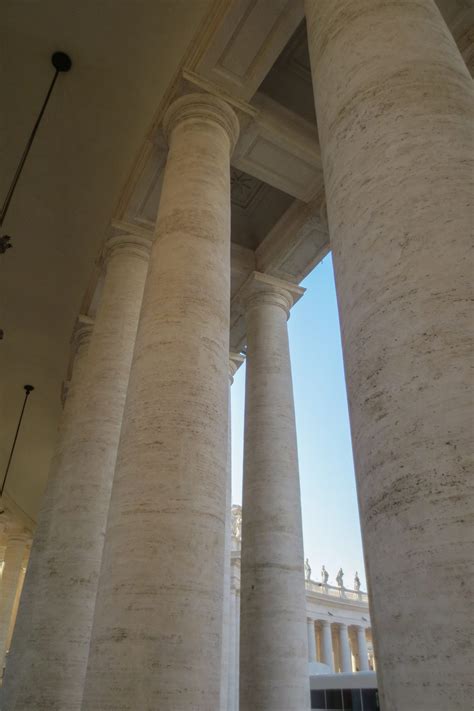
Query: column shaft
(362,647)
(48,668)
(394,105)
(14,555)
(345,649)
(328,655)
(273,648)
(157,637)
(232,679)
(311,641)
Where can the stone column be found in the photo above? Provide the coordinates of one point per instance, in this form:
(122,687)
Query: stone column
(157,637)
(59,596)
(20,639)
(344,648)
(273,647)
(328,655)
(394,104)
(233,679)
(362,649)
(14,555)
(235,360)
(311,641)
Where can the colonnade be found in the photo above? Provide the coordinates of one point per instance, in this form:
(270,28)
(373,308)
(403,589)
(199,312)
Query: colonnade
(136,622)
(350,652)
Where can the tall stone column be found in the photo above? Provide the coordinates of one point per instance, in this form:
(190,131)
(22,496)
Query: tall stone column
(19,644)
(14,555)
(59,595)
(273,646)
(235,360)
(16,601)
(157,638)
(328,655)
(362,649)
(344,648)
(394,104)
(311,640)
(234,634)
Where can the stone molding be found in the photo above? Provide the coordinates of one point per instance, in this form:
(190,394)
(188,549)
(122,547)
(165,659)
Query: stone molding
(263,289)
(204,108)
(126,243)
(81,333)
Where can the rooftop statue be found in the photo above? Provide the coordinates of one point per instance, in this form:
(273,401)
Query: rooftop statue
(324,576)
(307,570)
(340,578)
(357,582)
(237,521)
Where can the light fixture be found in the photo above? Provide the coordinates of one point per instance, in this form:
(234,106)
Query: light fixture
(28,390)
(61,63)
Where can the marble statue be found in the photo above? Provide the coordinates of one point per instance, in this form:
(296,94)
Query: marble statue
(324,576)
(340,578)
(237,522)
(357,582)
(307,570)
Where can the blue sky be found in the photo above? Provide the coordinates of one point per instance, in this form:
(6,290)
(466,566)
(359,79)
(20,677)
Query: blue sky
(330,514)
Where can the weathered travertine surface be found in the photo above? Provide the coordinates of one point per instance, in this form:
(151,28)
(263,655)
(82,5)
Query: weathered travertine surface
(311,640)
(394,104)
(362,647)
(14,555)
(38,559)
(57,604)
(328,654)
(273,636)
(156,642)
(344,649)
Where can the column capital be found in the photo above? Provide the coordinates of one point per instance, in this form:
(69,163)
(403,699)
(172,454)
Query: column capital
(123,240)
(17,536)
(325,623)
(265,289)
(204,108)
(235,361)
(82,332)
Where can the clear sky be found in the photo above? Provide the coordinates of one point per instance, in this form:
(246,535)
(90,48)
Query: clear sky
(330,514)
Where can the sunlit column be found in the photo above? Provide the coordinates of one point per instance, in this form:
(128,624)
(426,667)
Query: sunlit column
(14,556)
(50,648)
(311,640)
(328,654)
(161,582)
(344,648)
(394,106)
(273,647)
(362,647)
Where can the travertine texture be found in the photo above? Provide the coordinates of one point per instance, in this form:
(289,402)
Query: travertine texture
(328,655)
(234,636)
(394,105)
(48,670)
(17,658)
(362,649)
(156,642)
(14,555)
(344,649)
(273,638)
(311,640)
